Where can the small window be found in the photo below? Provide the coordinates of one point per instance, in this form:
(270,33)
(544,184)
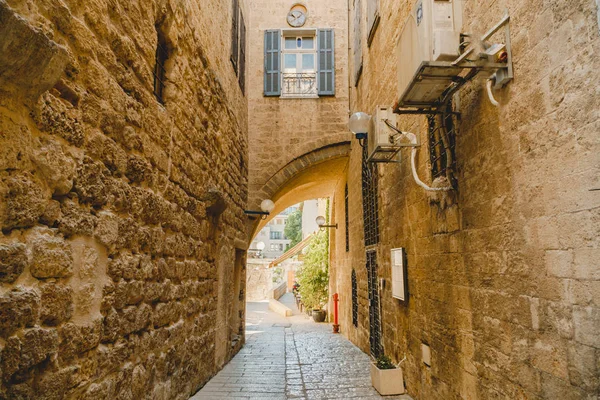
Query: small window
(160,73)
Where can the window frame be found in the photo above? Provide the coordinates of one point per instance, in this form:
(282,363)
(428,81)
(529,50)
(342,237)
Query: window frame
(298,33)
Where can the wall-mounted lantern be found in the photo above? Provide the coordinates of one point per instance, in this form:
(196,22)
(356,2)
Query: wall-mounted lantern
(321,221)
(267,206)
(359,125)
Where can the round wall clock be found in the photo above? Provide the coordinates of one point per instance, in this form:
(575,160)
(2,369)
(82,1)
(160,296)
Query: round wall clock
(296,18)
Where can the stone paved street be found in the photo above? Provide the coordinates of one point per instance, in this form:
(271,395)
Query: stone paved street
(292,358)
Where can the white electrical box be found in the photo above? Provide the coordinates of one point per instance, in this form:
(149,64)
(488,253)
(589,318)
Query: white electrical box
(381,147)
(399,279)
(431,34)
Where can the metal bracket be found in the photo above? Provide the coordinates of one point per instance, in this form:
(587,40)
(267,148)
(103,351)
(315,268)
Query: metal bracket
(434,83)
(505,74)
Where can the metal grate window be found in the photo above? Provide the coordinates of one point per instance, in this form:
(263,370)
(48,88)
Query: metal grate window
(354,299)
(442,145)
(347,219)
(370,203)
(160,73)
(374,314)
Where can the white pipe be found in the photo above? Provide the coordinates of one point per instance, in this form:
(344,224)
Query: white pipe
(413,156)
(489,92)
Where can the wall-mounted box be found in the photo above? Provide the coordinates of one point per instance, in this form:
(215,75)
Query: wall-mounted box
(399,278)
(381,147)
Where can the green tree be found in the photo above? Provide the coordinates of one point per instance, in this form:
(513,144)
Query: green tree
(313,276)
(293,229)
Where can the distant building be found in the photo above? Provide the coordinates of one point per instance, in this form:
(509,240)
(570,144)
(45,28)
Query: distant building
(273,236)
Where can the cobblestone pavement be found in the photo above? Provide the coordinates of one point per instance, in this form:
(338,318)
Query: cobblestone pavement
(292,358)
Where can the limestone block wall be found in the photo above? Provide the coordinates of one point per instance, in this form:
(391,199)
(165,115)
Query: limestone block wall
(122,244)
(504,283)
(282,130)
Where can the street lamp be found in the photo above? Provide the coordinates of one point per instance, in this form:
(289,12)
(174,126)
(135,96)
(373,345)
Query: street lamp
(359,125)
(321,222)
(266,206)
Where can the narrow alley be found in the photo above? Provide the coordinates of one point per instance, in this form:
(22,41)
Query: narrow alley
(292,358)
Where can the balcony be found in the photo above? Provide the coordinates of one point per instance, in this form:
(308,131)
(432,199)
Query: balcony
(299,85)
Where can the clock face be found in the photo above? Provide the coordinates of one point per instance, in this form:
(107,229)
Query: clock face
(296,18)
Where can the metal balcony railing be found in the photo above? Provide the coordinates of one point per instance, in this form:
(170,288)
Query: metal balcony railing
(299,85)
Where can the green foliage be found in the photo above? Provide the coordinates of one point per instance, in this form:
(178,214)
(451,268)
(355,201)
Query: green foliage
(384,362)
(313,277)
(277,275)
(293,229)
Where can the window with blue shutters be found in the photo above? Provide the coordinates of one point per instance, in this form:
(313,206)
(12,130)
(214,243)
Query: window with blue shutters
(299,63)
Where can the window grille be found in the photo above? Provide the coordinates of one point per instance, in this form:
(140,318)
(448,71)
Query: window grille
(354,299)
(370,202)
(442,145)
(347,219)
(374,315)
(160,73)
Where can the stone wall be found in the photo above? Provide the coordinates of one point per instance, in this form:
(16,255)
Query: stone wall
(283,130)
(504,283)
(120,217)
(259,280)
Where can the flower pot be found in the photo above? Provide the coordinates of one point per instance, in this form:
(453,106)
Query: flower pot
(387,381)
(318,315)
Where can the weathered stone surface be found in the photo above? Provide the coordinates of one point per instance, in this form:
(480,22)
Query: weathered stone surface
(166,313)
(77,339)
(55,167)
(75,220)
(13,260)
(57,303)
(25,201)
(18,308)
(501,284)
(27,350)
(51,256)
(36,61)
(115,178)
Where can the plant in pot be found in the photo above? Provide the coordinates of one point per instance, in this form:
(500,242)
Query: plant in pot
(313,277)
(386,377)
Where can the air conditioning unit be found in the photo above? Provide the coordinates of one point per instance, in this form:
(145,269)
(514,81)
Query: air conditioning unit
(385,140)
(380,139)
(430,35)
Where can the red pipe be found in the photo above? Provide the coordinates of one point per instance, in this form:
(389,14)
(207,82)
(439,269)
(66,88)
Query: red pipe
(336,325)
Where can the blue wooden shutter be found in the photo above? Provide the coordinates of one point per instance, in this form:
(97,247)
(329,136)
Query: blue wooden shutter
(272,61)
(326,72)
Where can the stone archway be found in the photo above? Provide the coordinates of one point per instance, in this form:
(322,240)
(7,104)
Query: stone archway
(309,176)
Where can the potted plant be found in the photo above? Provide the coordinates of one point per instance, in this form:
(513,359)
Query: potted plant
(313,277)
(386,377)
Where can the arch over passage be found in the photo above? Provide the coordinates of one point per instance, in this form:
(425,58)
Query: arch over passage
(313,175)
